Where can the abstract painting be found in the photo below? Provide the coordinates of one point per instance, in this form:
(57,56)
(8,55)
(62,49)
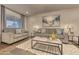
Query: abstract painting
(51,21)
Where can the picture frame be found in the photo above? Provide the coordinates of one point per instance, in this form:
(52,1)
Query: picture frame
(51,21)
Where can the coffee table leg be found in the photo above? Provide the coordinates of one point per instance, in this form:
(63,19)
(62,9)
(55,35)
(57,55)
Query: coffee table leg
(78,40)
(61,49)
(31,43)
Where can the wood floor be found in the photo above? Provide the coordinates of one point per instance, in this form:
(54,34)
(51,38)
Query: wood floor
(3,45)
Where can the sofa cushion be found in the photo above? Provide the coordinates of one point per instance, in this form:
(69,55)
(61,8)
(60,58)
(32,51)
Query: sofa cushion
(49,31)
(20,35)
(9,30)
(60,31)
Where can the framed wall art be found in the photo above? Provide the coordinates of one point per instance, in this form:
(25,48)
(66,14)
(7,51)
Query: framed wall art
(51,21)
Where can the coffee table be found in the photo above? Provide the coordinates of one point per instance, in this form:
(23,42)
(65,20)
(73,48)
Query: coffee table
(45,41)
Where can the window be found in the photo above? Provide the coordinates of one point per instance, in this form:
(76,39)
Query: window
(12,22)
(12,19)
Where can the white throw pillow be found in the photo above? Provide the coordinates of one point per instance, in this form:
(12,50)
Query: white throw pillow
(18,31)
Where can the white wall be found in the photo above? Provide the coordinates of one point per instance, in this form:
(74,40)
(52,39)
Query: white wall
(26,23)
(68,16)
(9,12)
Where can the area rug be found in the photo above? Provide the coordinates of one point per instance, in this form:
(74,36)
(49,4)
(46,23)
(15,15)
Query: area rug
(17,51)
(68,49)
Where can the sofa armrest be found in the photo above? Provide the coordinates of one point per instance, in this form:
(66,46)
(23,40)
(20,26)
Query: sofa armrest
(7,35)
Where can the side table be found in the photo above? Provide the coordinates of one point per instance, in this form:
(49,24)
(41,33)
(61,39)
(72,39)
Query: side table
(72,37)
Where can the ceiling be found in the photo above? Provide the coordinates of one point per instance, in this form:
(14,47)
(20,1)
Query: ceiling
(39,8)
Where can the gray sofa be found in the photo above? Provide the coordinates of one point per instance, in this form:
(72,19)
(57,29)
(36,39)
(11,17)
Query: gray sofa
(47,32)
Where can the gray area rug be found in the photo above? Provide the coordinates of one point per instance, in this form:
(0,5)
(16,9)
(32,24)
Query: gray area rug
(17,51)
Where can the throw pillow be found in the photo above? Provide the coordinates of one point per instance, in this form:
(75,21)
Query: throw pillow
(18,31)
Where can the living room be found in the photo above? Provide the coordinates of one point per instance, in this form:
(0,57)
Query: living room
(40,21)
